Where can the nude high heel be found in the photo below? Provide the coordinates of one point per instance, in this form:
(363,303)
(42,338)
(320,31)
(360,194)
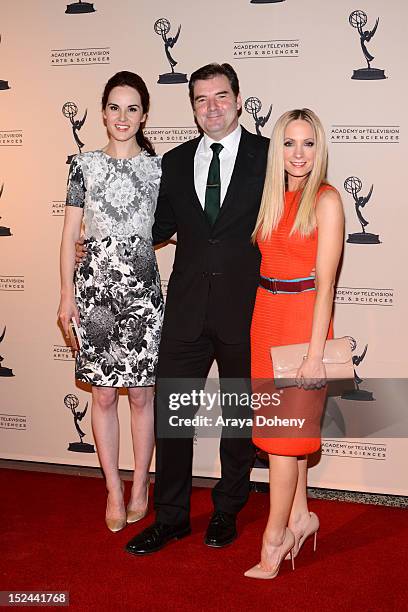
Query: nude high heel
(311,529)
(132,516)
(286,548)
(114,524)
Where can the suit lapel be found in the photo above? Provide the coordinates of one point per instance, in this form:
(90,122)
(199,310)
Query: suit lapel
(240,174)
(188,174)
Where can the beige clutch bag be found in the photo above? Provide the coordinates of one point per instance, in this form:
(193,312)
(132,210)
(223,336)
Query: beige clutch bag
(337,360)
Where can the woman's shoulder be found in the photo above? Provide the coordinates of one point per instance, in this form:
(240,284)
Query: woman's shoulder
(155,160)
(326,188)
(328,201)
(150,163)
(89,154)
(327,192)
(86,157)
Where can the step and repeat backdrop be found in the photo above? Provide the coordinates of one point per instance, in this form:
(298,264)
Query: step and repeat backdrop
(345,60)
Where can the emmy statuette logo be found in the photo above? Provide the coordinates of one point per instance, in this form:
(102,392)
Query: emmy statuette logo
(353,185)
(358,20)
(358,394)
(253,106)
(4,84)
(79,7)
(4,231)
(72,402)
(6,372)
(70,111)
(162,28)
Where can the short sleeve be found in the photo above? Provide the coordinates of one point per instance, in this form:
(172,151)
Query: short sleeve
(76,185)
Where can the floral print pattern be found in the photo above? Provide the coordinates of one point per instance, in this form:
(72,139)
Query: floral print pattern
(117,284)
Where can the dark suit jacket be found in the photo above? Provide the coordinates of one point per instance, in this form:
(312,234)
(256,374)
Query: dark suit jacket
(219,258)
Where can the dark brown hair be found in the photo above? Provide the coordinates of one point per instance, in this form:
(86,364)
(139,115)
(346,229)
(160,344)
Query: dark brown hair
(120,79)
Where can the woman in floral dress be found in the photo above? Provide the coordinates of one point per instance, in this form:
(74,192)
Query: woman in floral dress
(116,296)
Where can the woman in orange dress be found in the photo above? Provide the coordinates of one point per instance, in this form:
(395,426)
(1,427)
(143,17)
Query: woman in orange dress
(299,232)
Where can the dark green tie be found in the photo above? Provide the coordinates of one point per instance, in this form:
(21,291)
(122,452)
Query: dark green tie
(213,189)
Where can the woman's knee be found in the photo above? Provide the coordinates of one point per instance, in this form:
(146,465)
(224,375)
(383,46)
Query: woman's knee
(104,399)
(140,398)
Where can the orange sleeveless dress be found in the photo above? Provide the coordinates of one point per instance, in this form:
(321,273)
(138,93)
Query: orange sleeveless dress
(280,319)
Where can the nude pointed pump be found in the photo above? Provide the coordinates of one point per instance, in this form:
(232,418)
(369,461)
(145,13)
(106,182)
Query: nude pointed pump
(116,524)
(286,548)
(311,529)
(132,516)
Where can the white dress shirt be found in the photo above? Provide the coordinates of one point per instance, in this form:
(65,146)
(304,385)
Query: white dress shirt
(203,157)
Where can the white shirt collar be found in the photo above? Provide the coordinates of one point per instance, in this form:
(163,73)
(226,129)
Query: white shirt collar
(230,142)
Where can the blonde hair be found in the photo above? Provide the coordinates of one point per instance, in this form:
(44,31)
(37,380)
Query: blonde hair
(273,197)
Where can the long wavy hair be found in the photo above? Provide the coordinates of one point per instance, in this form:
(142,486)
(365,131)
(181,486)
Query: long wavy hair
(273,197)
(133,80)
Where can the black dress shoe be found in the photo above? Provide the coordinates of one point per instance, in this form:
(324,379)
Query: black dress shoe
(221,530)
(153,538)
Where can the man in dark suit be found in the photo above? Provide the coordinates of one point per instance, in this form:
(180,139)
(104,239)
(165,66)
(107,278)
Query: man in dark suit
(210,192)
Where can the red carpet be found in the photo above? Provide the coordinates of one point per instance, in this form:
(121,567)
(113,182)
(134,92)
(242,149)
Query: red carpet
(54,538)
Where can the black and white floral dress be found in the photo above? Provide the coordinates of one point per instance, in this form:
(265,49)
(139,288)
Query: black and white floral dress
(117,286)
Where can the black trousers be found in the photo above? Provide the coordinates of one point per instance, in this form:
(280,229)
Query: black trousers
(179,361)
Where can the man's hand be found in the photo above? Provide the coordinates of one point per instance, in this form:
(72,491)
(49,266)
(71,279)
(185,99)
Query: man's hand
(80,251)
